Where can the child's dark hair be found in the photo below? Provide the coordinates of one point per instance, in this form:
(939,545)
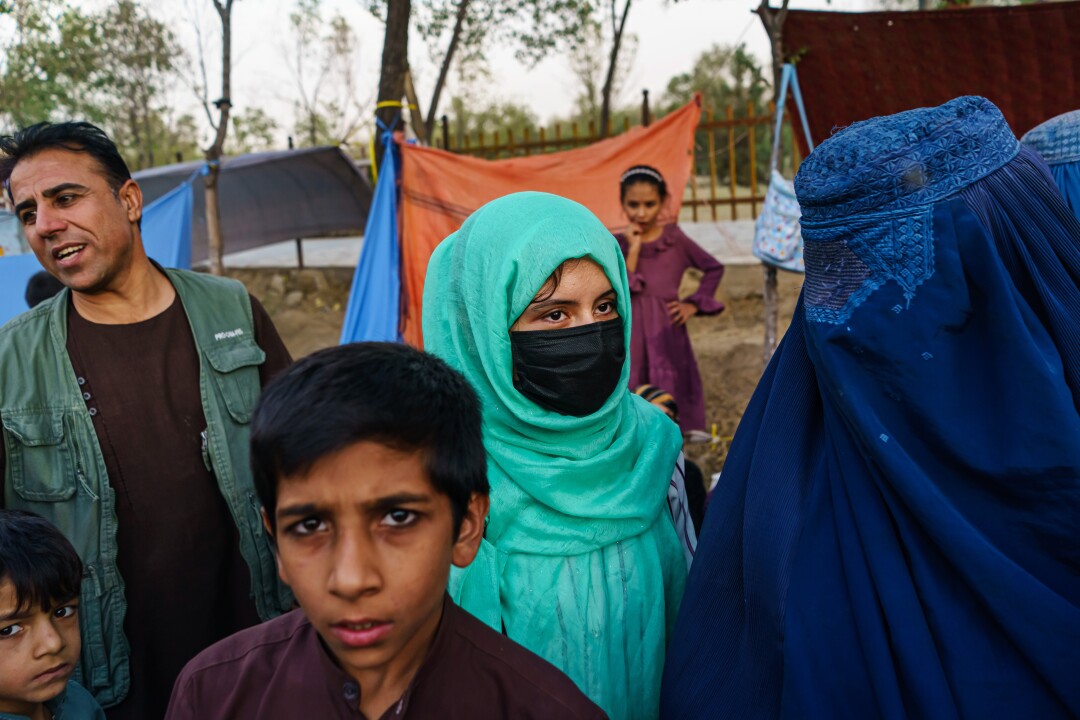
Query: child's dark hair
(386,393)
(38,561)
(645,174)
(41,287)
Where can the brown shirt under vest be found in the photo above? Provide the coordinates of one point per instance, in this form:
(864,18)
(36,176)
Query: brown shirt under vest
(186,584)
(281,669)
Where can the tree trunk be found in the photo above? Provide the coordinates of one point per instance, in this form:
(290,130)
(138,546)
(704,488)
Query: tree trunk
(773,20)
(613,61)
(433,107)
(213,153)
(394,64)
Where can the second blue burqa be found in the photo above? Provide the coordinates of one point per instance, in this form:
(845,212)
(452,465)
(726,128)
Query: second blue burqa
(896,533)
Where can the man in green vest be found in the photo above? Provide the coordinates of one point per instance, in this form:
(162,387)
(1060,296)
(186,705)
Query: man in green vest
(124,404)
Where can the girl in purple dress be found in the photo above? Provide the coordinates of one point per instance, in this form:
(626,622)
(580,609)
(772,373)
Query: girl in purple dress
(657,255)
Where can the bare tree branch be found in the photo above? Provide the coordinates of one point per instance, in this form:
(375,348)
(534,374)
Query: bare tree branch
(444,70)
(613,61)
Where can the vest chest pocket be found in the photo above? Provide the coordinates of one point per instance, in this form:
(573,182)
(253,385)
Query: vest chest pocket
(236,372)
(40,462)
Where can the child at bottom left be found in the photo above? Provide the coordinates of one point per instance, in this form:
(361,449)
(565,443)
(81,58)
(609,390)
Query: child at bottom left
(40,578)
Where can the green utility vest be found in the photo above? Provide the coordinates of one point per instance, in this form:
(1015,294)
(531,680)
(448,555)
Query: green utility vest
(54,465)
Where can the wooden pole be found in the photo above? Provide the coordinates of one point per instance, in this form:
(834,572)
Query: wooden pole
(415,115)
(773,20)
(753,161)
(731,157)
(713,180)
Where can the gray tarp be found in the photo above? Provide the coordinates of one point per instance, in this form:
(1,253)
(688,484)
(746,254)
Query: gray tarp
(272,196)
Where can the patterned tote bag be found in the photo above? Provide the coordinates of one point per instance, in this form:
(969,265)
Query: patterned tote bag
(777,239)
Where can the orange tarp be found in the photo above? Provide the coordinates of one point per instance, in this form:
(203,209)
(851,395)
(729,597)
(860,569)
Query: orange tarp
(441,189)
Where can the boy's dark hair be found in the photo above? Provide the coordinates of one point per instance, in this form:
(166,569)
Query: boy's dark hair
(41,287)
(73,136)
(386,393)
(646,174)
(38,561)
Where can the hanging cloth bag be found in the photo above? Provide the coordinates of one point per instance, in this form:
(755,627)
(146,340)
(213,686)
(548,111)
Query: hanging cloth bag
(777,238)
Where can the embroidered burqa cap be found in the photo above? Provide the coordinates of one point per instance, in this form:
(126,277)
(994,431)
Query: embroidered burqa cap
(1058,142)
(580,562)
(1057,139)
(894,533)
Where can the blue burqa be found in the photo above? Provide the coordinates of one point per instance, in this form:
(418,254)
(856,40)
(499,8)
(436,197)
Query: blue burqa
(896,533)
(1058,142)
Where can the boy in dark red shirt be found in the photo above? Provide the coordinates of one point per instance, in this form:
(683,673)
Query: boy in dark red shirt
(369,463)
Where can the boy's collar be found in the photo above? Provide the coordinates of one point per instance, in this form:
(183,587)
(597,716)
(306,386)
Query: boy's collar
(345,686)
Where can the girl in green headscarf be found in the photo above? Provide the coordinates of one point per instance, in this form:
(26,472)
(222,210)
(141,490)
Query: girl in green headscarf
(581,561)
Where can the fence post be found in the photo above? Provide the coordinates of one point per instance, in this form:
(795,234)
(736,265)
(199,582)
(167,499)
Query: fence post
(713,179)
(445,132)
(646,116)
(731,153)
(753,160)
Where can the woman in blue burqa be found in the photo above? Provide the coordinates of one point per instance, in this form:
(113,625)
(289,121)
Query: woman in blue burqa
(1058,142)
(896,533)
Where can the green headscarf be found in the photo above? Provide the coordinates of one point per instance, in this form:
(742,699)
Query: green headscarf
(581,563)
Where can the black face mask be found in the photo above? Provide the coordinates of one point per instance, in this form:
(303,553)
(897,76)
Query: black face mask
(572,371)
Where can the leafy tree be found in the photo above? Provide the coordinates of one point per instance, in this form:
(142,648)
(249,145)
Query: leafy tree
(727,76)
(464,31)
(137,66)
(112,68)
(253,131)
(467,121)
(47,61)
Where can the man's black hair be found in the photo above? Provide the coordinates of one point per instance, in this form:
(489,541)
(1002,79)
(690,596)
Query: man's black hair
(40,287)
(38,561)
(73,136)
(385,393)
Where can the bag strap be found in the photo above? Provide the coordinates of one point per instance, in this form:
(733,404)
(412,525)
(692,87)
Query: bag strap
(788,76)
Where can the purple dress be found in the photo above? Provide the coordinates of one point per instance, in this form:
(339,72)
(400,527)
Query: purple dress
(660,352)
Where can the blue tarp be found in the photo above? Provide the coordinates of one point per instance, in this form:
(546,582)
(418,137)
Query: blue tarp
(166,228)
(375,299)
(15,271)
(166,231)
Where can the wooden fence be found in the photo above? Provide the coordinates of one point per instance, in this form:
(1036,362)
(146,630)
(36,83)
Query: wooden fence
(720,188)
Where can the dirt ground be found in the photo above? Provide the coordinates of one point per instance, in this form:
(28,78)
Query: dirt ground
(308,308)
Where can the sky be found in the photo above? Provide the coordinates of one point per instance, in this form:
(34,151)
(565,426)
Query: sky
(670,37)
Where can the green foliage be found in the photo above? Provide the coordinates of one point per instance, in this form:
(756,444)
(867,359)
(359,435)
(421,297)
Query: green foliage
(534,28)
(487,120)
(727,76)
(47,61)
(137,65)
(252,131)
(112,68)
